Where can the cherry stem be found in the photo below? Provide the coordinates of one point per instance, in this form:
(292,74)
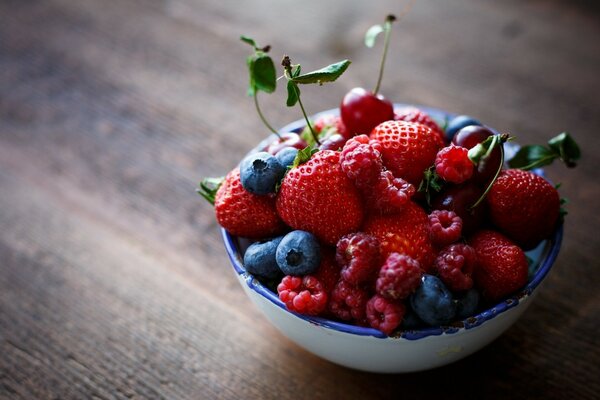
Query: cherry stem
(386,43)
(500,142)
(262,117)
(312,131)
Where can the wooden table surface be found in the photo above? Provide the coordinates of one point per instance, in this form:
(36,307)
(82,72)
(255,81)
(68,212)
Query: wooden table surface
(113,279)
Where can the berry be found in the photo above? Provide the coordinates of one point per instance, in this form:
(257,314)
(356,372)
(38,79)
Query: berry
(408,149)
(466,303)
(358,254)
(501,265)
(406,232)
(286,156)
(524,206)
(459,199)
(260,173)
(334,142)
(318,197)
(361,111)
(259,259)
(445,227)
(411,320)
(389,195)
(413,114)
(328,272)
(399,276)
(361,161)
(452,164)
(328,125)
(457,123)
(384,314)
(242,213)
(298,253)
(287,139)
(433,302)
(348,302)
(455,265)
(469,137)
(304,295)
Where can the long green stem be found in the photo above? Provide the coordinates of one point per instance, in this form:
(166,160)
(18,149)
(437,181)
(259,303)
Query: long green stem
(312,131)
(386,44)
(262,117)
(501,144)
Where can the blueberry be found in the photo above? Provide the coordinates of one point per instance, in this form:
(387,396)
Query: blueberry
(457,123)
(433,302)
(286,156)
(260,173)
(298,253)
(411,320)
(466,303)
(259,259)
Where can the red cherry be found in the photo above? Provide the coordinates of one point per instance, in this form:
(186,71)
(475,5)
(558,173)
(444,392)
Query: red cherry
(362,111)
(334,142)
(469,137)
(288,139)
(460,199)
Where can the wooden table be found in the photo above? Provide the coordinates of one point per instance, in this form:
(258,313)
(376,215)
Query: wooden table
(113,278)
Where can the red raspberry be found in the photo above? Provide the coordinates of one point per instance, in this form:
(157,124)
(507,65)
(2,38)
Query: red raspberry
(361,161)
(399,276)
(348,302)
(358,255)
(455,265)
(445,227)
(389,195)
(384,314)
(304,295)
(328,272)
(452,164)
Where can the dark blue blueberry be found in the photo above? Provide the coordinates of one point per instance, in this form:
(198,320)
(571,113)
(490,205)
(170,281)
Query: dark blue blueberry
(433,302)
(466,303)
(298,253)
(260,173)
(286,156)
(259,259)
(411,320)
(457,123)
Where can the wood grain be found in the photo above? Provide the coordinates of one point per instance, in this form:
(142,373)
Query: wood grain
(113,280)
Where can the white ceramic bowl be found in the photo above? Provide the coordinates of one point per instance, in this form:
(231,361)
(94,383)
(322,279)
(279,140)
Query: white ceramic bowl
(368,349)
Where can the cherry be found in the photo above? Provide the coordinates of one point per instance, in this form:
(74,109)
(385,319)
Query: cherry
(459,199)
(362,111)
(287,139)
(334,142)
(469,137)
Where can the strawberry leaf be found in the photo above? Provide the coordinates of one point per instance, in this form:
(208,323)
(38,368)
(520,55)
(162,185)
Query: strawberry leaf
(260,68)
(327,74)
(566,147)
(293,92)
(248,40)
(208,188)
(561,147)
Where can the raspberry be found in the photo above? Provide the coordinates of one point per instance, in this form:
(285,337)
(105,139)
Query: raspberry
(348,302)
(304,295)
(389,195)
(384,314)
(361,161)
(452,164)
(328,272)
(399,276)
(358,255)
(445,227)
(455,265)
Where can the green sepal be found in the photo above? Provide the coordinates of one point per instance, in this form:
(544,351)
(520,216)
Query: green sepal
(431,183)
(303,156)
(327,74)
(248,40)
(208,188)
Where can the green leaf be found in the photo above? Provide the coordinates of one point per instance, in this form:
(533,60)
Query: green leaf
(208,188)
(431,183)
(371,35)
(303,156)
(533,156)
(566,147)
(327,74)
(263,73)
(250,61)
(293,93)
(248,40)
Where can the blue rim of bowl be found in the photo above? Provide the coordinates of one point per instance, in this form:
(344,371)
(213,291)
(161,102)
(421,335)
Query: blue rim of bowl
(551,250)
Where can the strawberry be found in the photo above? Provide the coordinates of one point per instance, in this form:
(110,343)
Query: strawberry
(408,149)
(406,232)
(245,214)
(329,124)
(318,197)
(413,114)
(501,264)
(524,206)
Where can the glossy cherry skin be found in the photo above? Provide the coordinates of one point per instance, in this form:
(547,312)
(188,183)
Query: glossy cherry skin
(469,137)
(362,111)
(334,142)
(288,139)
(459,199)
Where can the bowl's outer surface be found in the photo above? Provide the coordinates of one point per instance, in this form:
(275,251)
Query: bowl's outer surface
(370,350)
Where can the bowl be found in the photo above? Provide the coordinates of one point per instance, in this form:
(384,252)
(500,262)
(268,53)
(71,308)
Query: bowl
(368,349)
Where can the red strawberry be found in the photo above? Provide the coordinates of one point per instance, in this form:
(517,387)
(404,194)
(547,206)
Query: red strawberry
(245,214)
(408,149)
(406,233)
(318,197)
(524,206)
(413,114)
(329,124)
(501,265)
